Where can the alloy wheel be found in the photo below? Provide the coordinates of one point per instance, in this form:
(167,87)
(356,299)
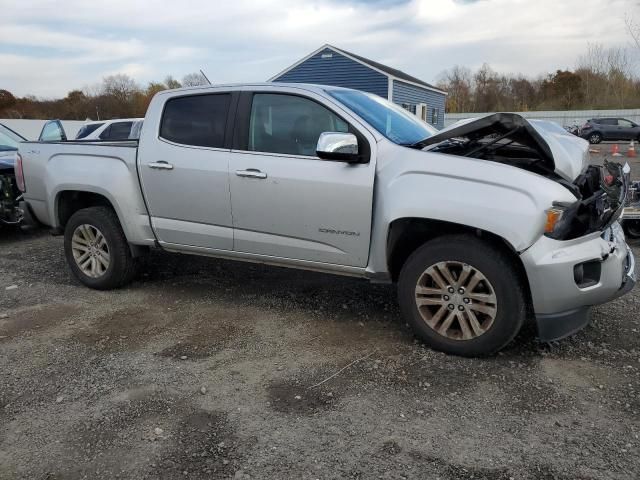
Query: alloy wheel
(90,250)
(456,300)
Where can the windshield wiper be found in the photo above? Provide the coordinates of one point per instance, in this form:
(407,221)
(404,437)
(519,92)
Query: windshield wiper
(417,145)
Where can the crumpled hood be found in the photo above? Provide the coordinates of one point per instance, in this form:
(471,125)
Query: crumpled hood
(562,152)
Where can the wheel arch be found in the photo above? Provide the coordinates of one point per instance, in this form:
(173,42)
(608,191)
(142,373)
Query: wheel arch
(407,234)
(69,201)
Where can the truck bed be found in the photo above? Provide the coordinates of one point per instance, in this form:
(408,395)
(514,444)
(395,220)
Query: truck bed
(104,168)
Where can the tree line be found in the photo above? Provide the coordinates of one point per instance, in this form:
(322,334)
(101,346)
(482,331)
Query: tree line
(603,79)
(117,96)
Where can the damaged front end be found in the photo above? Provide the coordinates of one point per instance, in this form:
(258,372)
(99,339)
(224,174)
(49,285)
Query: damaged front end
(546,149)
(601,192)
(10,212)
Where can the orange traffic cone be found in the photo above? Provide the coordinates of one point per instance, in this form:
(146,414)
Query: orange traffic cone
(615,151)
(632,149)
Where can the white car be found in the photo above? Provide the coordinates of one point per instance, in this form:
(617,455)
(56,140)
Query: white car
(119,129)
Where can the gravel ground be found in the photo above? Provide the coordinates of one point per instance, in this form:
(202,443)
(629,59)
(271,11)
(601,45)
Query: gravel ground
(204,368)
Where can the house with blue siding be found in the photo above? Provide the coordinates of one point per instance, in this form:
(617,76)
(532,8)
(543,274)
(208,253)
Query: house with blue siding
(333,66)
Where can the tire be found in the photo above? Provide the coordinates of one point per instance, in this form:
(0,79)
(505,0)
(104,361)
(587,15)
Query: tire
(595,138)
(489,333)
(120,265)
(631,228)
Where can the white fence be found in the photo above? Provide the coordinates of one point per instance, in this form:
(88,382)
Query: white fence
(30,129)
(564,118)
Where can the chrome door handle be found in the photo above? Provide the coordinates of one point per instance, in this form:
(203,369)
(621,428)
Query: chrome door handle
(161,165)
(251,173)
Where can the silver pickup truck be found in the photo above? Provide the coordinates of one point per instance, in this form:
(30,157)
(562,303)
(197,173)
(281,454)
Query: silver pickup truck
(480,225)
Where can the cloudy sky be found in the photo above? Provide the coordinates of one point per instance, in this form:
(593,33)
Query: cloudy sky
(50,47)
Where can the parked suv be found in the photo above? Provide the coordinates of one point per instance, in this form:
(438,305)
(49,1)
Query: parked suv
(599,129)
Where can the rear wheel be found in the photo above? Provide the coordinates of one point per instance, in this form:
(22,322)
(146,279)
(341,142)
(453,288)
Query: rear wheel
(595,138)
(462,296)
(97,250)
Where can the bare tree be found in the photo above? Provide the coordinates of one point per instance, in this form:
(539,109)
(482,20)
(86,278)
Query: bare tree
(194,80)
(633,28)
(457,83)
(121,87)
(171,82)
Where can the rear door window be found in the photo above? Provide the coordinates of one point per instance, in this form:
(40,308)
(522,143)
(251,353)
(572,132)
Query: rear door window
(198,120)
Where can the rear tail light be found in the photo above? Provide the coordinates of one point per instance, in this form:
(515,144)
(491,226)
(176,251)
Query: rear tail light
(19,173)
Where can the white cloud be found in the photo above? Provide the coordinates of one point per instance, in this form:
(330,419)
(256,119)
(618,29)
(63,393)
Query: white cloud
(55,49)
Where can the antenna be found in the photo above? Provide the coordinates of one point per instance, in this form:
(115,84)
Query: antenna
(205,77)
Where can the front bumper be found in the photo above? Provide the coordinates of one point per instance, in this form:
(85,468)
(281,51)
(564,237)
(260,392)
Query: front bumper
(559,302)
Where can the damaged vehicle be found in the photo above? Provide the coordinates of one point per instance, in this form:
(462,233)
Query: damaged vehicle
(10,213)
(631,214)
(480,225)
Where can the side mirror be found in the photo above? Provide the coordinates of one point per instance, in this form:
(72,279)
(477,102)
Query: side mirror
(338,146)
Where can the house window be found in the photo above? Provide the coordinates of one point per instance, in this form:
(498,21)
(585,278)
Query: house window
(409,107)
(434,116)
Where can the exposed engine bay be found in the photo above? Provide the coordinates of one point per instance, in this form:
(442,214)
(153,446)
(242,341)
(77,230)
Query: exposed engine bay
(601,192)
(10,214)
(512,140)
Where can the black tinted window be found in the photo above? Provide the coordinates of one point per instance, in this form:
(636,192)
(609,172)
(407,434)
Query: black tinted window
(606,121)
(87,129)
(196,120)
(289,124)
(117,131)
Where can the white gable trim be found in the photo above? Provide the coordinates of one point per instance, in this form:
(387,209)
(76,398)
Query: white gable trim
(312,54)
(390,78)
(418,85)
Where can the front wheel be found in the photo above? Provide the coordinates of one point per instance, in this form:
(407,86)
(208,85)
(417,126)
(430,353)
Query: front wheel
(462,296)
(631,228)
(97,250)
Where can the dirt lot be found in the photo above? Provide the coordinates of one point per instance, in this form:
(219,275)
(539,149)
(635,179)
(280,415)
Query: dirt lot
(211,369)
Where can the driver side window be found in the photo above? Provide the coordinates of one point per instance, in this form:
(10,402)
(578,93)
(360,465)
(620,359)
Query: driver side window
(289,124)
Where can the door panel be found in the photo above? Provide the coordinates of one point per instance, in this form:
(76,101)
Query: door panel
(305,209)
(286,201)
(186,184)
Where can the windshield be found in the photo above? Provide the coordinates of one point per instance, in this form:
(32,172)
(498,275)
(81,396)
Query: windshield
(9,139)
(392,121)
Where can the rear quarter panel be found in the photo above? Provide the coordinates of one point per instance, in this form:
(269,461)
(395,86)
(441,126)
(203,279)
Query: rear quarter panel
(105,169)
